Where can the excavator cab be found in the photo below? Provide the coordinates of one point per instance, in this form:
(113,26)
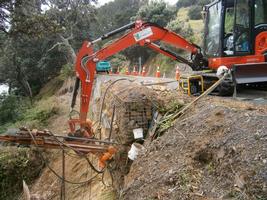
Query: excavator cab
(236,37)
(232,26)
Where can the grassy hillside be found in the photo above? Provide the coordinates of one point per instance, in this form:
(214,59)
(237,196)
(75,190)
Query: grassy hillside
(48,111)
(196,25)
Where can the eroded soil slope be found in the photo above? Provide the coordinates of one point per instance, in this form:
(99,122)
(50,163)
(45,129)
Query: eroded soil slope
(48,186)
(218,150)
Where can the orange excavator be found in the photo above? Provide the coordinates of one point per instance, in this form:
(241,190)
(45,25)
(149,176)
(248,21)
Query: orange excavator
(235,39)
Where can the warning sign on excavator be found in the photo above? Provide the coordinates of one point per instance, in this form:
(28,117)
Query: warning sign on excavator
(143,34)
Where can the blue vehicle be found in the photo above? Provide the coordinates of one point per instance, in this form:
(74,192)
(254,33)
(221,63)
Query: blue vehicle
(103,66)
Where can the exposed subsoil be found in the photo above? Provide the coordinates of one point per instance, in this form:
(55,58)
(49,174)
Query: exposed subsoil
(218,150)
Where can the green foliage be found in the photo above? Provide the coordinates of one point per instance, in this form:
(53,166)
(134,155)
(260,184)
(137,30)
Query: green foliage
(195,12)
(118,60)
(168,110)
(40,115)
(229,21)
(153,11)
(186,3)
(17,112)
(17,165)
(66,71)
(38,43)
(7,105)
(51,88)
(156,12)
(166,64)
(23,61)
(180,28)
(10,108)
(35,26)
(171,107)
(115,14)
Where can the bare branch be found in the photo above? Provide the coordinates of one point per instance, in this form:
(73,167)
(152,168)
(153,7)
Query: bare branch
(70,37)
(55,45)
(3,30)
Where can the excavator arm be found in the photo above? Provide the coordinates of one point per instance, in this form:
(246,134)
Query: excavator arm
(139,33)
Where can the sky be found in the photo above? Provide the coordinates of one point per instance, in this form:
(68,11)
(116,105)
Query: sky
(3,88)
(102,2)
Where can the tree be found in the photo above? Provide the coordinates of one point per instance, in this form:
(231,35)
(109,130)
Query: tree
(156,12)
(153,11)
(36,43)
(8,108)
(73,17)
(116,14)
(17,16)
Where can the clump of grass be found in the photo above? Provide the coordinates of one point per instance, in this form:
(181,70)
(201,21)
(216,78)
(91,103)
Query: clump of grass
(39,114)
(35,116)
(171,107)
(12,108)
(50,88)
(66,71)
(168,110)
(54,85)
(17,164)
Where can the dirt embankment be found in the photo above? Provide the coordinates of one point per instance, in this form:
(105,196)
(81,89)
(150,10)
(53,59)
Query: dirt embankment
(218,150)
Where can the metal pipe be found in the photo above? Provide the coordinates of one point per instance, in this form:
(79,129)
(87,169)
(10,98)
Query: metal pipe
(111,124)
(178,58)
(114,32)
(84,139)
(75,92)
(63,189)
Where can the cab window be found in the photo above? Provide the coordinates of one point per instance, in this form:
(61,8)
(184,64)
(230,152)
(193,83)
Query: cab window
(242,26)
(213,30)
(228,42)
(260,12)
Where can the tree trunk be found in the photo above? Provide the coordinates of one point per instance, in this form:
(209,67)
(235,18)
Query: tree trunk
(71,55)
(23,80)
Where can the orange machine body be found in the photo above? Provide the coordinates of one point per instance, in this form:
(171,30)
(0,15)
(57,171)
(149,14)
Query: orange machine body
(260,49)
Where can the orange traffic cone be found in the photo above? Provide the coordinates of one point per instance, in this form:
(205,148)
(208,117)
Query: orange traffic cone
(118,70)
(158,73)
(144,71)
(177,74)
(127,71)
(135,73)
